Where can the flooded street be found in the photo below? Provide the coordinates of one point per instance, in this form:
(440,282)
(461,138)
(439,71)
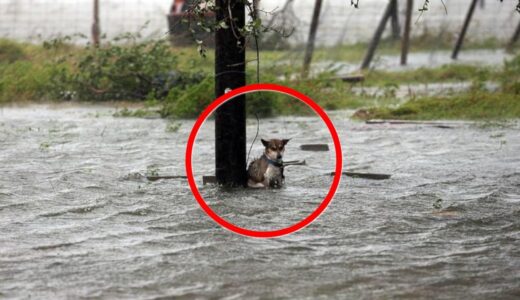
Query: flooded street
(79,220)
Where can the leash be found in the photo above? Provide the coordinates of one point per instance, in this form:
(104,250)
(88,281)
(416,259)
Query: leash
(257,130)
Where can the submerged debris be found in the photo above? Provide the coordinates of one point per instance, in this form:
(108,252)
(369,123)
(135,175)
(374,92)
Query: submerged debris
(314,147)
(372,176)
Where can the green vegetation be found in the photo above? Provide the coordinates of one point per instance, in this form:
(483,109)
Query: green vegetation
(445,73)
(426,42)
(177,82)
(173,126)
(11,51)
(473,105)
(476,104)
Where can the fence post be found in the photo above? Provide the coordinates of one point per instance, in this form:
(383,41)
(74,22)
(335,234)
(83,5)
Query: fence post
(465,26)
(394,21)
(405,42)
(312,37)
(377,35)
(514,38)
(230,118)
(95,24)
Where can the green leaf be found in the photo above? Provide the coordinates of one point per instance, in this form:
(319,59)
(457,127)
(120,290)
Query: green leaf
(223,24)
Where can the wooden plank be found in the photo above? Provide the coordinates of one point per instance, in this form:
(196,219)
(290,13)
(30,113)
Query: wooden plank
(314,147)
(372,176)
(155,178)
(352,78)
(345,78)
(294,163)
(417,122)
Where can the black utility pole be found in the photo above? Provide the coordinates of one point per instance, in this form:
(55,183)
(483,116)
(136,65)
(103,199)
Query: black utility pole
(469,15)
(230,118)
(312,38)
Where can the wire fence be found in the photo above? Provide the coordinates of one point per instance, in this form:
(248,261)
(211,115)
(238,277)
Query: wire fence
(343,24)
(340,23)
(39,20)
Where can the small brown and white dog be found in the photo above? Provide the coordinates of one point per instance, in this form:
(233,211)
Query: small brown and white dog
(267,171)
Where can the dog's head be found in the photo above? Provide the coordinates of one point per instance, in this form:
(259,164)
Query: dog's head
(274,148)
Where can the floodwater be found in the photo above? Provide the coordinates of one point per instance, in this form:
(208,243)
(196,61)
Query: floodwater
(78,220)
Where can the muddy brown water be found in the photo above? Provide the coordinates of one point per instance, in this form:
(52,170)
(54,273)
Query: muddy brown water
(78,221)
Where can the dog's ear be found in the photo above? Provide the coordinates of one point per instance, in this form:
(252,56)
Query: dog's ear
(285,141)
(264,142)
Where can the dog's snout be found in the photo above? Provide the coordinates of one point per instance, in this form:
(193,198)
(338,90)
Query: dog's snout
(278,156)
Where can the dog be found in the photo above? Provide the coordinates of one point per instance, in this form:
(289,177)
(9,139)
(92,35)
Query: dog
(267,171)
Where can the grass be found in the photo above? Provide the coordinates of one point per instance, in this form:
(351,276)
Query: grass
(465,106)
(34,73)
(426,42)
(475,104)
(26,69)
(292,58)
(445,73)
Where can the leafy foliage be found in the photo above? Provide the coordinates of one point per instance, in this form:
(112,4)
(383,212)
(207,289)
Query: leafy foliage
(477,103)
(10,51)
(188,101)
(118,71)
